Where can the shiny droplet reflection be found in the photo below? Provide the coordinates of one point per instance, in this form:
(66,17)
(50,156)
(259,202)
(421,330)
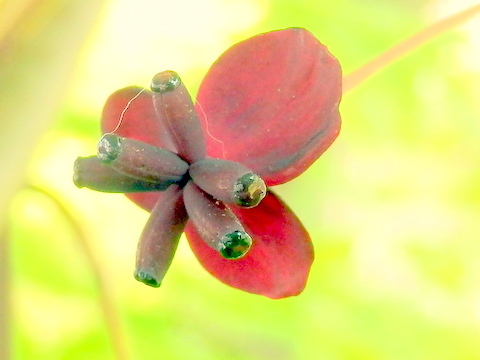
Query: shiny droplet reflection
(235,245)
(249,190)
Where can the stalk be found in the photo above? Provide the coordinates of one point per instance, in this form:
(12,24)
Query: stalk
(406,46)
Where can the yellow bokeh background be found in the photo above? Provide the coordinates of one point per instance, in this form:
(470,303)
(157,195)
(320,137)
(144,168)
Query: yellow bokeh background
(393,206)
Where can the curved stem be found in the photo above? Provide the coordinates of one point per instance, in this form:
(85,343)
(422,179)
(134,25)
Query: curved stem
(112,320)
(359,75)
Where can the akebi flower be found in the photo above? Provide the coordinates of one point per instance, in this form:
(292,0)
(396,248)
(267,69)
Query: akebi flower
(266,110)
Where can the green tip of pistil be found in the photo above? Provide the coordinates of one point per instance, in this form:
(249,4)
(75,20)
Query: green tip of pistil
(147,279)
(249,190)
(235,245)
(165,81)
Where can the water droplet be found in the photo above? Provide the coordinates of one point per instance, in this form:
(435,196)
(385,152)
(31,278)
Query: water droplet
(109,147)
(249,190)
(235,245)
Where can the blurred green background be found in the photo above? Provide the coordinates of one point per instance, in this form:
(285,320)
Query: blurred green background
(393,207)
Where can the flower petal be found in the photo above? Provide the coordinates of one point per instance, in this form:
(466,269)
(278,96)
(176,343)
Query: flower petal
(129,113)
(271,103)
(279,260)
(146,200)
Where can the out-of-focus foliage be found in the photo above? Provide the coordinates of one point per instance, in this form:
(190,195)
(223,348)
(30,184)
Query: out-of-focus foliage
(392,206)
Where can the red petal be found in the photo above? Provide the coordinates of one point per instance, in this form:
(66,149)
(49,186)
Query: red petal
(134,108)
(271,103)
(146,200)
(279,260)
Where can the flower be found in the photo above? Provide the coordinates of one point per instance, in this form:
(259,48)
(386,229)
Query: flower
(266,110)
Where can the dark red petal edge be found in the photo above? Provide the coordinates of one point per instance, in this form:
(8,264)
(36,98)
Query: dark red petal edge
(271,103)
(138,121)
(279,260)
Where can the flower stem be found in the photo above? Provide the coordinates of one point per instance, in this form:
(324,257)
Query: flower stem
(359,75)
(112,320)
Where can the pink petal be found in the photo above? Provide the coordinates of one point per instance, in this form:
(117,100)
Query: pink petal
(134,108)
(146,200)
(271,103)
(279,260)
